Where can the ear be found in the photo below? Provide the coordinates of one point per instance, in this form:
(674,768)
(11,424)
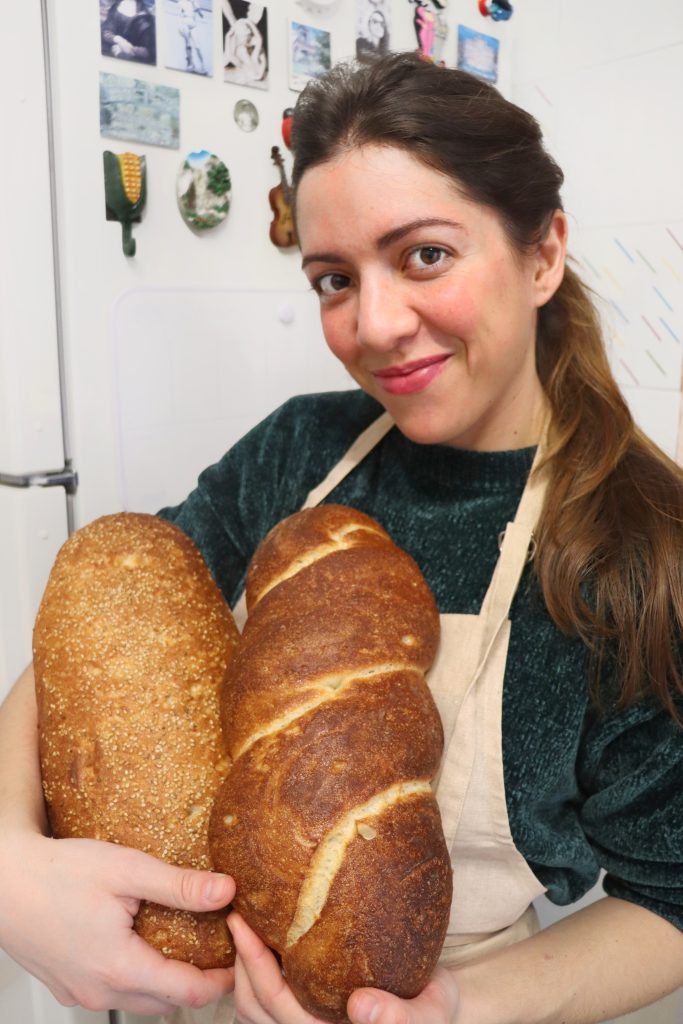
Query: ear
(550,259)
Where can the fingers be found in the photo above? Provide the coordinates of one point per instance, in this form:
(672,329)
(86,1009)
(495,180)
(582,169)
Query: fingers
(261,994)
(436,1004)
(138,979)
(145,877)
(84,949)
(171,981)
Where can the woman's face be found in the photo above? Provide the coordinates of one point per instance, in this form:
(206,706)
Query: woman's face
(423,299)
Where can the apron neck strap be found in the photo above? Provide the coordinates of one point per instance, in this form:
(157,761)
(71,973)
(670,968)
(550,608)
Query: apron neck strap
(531,502)
(363,444)
(516,546)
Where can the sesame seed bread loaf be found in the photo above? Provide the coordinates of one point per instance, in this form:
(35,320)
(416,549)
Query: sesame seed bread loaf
(327,820)
(131,644)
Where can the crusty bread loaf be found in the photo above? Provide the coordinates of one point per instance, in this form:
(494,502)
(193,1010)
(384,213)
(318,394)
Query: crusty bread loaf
(131,644)
(327,820)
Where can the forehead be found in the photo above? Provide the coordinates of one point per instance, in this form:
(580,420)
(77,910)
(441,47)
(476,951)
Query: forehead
(375,185)
(369,170)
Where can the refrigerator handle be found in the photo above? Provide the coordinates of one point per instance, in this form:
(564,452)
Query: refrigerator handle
(66,478)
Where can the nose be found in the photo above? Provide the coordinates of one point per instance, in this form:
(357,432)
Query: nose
(386,317)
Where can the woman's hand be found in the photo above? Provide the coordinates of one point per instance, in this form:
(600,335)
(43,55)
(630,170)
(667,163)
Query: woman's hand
(263,997)
(66,915)
(436,1004)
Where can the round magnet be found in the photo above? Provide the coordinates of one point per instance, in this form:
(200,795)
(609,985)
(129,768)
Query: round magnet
(246,115)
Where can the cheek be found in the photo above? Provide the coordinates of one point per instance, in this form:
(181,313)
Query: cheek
(339,334)
(456,314)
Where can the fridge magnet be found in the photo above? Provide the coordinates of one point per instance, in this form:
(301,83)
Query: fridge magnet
(286,128)
(499,10)
(372,29)
(478,53)
(139,111)
(245,43)
(203,189)
(317,6)
(246,115)
(128,30)
(309,54)
(125,192)
(188,31)
(282,231)
(431,28)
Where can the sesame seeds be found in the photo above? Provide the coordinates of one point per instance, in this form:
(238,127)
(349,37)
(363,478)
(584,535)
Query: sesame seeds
(131,644)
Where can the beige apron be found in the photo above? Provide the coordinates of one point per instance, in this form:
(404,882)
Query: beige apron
(493,885)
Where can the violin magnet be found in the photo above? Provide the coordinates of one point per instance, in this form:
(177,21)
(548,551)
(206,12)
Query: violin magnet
(203,189)
(282,228)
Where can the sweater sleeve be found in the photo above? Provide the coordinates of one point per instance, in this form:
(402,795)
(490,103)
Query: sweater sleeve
(632,774)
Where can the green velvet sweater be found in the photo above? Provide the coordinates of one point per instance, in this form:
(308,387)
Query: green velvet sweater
(585,791)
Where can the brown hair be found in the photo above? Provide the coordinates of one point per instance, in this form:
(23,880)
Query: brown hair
(609,544)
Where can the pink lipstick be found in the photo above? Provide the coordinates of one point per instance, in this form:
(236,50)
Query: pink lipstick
(410,377)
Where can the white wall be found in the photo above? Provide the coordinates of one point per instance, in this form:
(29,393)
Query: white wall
(605,80)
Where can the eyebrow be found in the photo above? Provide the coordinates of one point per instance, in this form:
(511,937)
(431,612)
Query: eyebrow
(387,239)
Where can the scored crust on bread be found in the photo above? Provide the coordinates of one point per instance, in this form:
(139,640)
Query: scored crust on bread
(131,644)
(327,819)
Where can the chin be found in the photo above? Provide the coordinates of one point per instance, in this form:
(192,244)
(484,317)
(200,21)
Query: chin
(421,431)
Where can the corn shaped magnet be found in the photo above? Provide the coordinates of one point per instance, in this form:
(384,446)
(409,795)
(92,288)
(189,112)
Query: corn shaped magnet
(125,189)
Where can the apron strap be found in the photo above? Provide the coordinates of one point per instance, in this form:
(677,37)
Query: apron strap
(515,546)
(363,444)
(514,553)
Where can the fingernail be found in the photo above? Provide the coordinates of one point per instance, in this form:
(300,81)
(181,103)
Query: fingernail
(366,1010)
(214,889)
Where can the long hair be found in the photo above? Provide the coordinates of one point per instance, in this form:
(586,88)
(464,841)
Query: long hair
(610,539)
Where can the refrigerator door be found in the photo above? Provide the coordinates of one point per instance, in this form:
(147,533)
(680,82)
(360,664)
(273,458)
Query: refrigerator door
(33,521)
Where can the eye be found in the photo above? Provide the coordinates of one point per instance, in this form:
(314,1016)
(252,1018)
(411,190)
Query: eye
(426,256)
(331,284)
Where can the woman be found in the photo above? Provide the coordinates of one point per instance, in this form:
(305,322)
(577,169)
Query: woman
(450,304)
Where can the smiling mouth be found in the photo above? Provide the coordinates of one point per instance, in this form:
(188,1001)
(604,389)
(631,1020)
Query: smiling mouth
(407,368)
(410,378)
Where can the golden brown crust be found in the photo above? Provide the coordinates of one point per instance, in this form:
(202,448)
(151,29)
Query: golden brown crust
(131,644)
(347,612)
(401,878)
(327,820)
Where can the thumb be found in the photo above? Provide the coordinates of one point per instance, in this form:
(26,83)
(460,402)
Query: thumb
(147,878)
(436,1004)
(367,1006)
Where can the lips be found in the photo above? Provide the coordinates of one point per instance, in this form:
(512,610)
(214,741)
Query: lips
(410,377)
